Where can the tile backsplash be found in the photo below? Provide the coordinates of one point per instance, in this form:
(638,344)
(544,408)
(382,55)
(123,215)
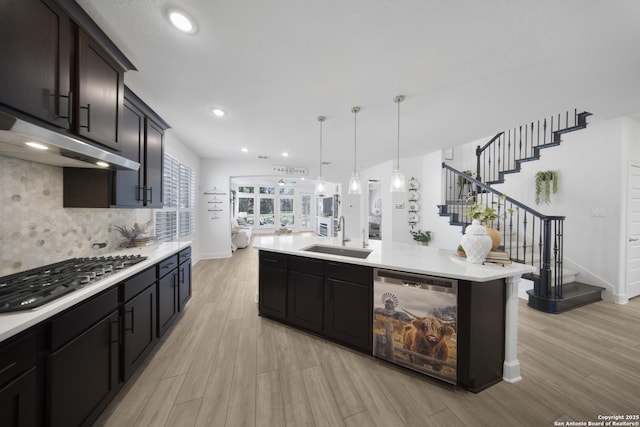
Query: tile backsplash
(36,230)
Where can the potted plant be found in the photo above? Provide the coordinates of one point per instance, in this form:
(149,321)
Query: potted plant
(423,237)
(487,214)
(546,184)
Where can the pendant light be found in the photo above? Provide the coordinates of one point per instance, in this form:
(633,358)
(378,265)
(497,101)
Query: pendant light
(354,181)
(397,179)
(321,186)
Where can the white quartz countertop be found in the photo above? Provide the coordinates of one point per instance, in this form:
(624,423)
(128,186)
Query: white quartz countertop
(412,258)
(15,322)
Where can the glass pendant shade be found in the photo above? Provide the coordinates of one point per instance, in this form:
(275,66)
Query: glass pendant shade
(398,184)
(354,183)
(397,179)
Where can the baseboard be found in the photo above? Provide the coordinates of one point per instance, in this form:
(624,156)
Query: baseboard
(215,255)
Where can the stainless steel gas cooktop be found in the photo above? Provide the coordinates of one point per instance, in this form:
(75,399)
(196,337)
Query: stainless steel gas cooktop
(36,287)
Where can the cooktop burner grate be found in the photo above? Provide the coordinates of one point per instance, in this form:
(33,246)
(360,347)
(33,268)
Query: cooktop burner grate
(33,288)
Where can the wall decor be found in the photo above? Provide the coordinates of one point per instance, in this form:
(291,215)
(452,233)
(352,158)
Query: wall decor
(413,206)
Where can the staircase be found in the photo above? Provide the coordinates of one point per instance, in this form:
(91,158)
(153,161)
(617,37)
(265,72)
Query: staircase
(529,236)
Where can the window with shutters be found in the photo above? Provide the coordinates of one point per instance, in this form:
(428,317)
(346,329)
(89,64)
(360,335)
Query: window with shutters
(177,218)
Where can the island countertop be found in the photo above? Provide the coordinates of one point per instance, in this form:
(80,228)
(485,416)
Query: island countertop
(412,258)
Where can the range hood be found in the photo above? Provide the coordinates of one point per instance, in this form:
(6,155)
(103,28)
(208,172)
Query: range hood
(61,150)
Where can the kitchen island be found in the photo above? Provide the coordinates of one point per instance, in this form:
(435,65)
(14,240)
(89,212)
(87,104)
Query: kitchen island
(292,271)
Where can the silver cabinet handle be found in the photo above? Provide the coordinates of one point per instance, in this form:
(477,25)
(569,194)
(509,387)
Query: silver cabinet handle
(631,239)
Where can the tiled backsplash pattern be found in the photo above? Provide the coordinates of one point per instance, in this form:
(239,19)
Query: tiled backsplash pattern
(36,230)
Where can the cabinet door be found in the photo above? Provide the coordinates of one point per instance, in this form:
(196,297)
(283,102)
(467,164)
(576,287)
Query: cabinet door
(184,283)
(273,291)
(83,375)
(139,329)
(305,300)
(35,38)
(167,301)
(153,165)
(100,94)
(129,184)
(18,401)
(348,313)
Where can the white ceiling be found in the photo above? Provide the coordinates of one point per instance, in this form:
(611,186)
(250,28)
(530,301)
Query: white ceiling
(468,69)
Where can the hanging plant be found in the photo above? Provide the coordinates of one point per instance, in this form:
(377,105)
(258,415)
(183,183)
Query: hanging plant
(546,184)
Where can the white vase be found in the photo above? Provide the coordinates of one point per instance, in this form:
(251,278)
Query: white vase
(476,243)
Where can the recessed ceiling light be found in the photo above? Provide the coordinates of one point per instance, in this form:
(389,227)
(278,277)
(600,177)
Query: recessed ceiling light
(245,150)
(285,154)
(37,145)
(103,164)
(181,21)
(218,112)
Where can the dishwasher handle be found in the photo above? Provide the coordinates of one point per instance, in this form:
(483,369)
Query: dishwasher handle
(416,280)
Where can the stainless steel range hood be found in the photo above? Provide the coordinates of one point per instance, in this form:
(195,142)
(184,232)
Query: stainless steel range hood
(62,150)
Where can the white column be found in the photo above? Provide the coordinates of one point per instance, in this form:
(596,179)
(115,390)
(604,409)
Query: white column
(511,366)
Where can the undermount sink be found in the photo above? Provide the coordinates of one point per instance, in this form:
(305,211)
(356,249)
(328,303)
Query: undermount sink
(339,250)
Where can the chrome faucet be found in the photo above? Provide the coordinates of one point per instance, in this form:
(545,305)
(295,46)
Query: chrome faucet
(341,227)
(364,241)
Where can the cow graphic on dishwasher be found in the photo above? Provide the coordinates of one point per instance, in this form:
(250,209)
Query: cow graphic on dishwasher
(415,322)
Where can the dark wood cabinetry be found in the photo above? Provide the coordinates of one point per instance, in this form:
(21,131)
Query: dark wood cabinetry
(82,370)
(329,298)
(481,325)
(100,93)
(35,39)
(184,277)
(63,71)
(139,321)
(272,284)
(19,398)
(348,304)
(142,133)
(305,292)
(66,370)
(167,293)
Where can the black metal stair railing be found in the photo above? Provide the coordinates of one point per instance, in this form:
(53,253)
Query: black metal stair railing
(529,236)
(505,152)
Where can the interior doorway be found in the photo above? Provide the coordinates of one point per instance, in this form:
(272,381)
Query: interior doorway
(374,208)
(633,232)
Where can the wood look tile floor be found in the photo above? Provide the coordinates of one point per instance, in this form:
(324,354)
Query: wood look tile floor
(223,365)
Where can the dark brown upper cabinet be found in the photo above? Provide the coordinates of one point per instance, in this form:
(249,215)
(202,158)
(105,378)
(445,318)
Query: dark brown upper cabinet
(61,71)
(35,36)
(100,94)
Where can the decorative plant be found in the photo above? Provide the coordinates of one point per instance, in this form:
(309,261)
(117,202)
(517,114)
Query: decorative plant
(137,232)
(421,236)
(546,184)
(485,214)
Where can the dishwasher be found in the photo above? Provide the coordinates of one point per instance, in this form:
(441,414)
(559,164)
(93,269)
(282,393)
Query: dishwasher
(415,322)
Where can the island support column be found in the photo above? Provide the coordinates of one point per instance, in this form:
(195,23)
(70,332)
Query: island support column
(511,366)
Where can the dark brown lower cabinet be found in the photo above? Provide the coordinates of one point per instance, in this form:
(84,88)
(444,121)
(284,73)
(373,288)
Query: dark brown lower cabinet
(329,298)
(305,293)
(167,293)
(18,401)
(272,284)
(348,313)
(184,283)
(139,329)
(83,375)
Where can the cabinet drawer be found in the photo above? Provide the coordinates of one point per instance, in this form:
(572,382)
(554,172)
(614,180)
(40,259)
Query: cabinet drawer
(306,265)
(71,323)
(167,266)
(137,284)
(184,255)
(272,259)
(18,357)
(350,273)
